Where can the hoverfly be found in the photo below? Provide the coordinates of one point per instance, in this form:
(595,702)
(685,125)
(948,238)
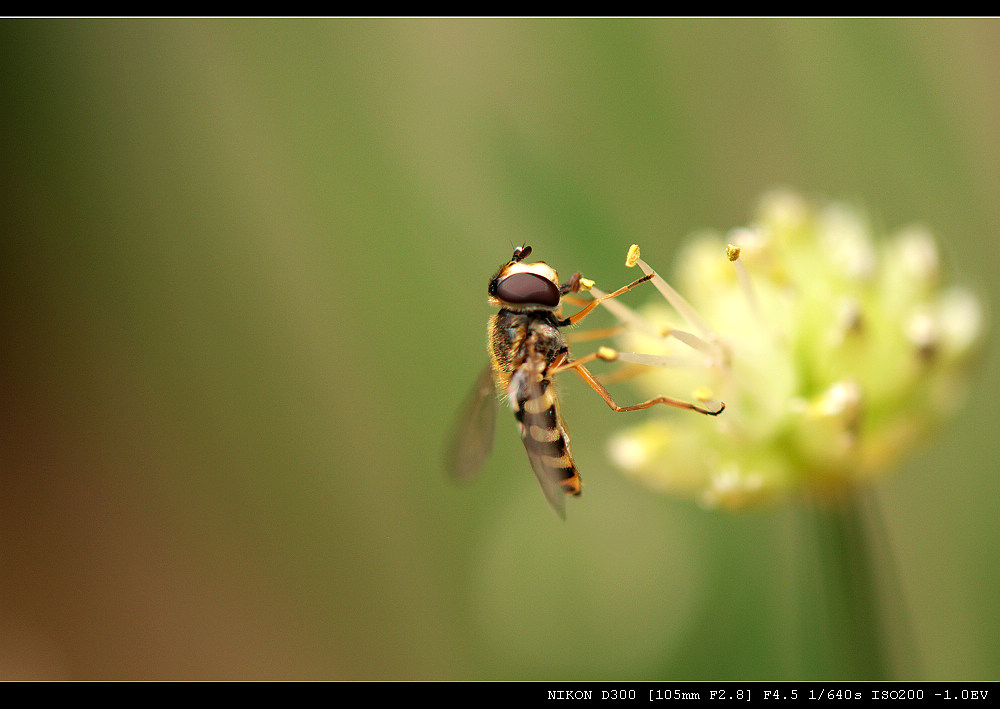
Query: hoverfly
(527,350)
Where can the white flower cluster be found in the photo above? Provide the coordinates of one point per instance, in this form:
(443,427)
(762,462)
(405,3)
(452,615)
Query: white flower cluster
(835,354)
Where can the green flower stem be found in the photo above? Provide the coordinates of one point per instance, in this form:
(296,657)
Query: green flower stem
(837,350)
(845,604)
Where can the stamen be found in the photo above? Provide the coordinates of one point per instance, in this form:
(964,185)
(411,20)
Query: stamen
(608,354)
(746,285)
(624,313)
(632,256)
(695,342)
(630,317)
(703,394)
(651,360)
(672,296)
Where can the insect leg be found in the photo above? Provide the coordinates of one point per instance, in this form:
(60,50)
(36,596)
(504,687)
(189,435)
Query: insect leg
(608,355)
(580,315)
(598,334)
(573,300)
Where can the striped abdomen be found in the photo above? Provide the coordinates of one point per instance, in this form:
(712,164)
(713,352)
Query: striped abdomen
(543,432)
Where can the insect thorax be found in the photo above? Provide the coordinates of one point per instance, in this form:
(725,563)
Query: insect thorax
(518,336)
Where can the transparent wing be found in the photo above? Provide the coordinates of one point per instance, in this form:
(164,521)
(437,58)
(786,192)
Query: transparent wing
(544,437)
(472,437)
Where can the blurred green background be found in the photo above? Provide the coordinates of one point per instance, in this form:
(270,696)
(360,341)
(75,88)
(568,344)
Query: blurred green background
(244,268)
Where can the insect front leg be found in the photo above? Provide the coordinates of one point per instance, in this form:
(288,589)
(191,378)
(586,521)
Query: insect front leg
(580,315)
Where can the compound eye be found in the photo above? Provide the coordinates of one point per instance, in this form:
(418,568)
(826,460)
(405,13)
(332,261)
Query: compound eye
(528,288)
